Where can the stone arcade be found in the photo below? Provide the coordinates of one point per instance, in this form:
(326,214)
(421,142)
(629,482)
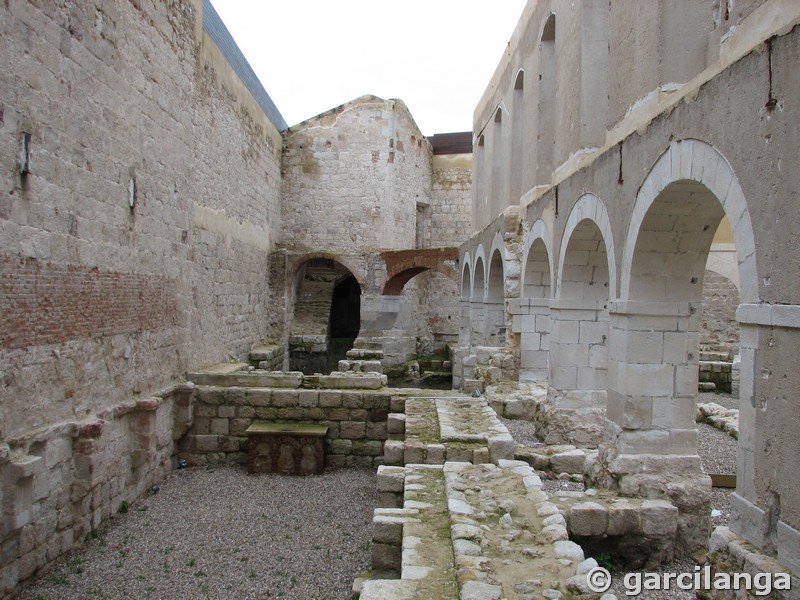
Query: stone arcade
(176,263)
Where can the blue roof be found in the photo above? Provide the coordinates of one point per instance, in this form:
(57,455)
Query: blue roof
(216,30)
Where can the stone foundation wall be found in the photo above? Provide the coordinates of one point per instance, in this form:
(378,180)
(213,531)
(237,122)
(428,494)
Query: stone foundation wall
(356,422)
(62,481)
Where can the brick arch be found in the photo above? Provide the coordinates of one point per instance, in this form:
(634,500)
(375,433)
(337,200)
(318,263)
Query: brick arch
(403,265)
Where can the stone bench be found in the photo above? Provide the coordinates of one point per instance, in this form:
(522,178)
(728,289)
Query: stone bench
(290,448)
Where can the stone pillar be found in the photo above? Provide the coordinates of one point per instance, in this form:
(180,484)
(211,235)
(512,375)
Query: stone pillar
(464,323)
(578,363)
(476,317)
(651,443)
(764,507)
(495,323)
(531,319)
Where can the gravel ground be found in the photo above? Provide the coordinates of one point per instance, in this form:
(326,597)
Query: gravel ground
(219,533)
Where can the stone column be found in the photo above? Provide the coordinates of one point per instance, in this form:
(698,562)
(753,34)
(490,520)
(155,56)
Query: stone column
(477,320)
(495,323)
(531,319)
(578,364)
(651,444)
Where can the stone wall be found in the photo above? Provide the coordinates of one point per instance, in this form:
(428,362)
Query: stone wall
(352,178)
(451,220)
(719,329)
(133,247)
(356,422)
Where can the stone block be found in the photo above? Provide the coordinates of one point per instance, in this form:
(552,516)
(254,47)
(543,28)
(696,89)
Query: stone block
(623,519)
(396,423)
(227,411)
(376,431)
(588,519)
(659,518)
(206,443)
(386,557)
(391,479)
(435,454)
(24,466)
(480,590)
(480,456)
(393,452)
(501,447)
(367,448)
(388,529)
(571,462)
(330,398)
(568,550)
(414,453)
(285,398)
(308,398)
(220,426)
(341,446)
(352,430)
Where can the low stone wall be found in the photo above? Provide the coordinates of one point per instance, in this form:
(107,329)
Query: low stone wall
(356,421)
(61,482)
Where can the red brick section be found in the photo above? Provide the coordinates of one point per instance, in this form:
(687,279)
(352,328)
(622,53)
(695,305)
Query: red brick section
(402,265)
(48,303)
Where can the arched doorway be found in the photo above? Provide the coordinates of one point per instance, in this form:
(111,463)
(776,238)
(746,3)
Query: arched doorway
(327,316)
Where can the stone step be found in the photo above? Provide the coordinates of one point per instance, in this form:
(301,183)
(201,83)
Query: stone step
(413,542)
(360,366)
(470,531)
(452,429)
(365,354)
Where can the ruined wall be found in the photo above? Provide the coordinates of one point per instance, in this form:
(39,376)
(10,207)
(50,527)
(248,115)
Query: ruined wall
(356,422)
(451,221)
(719,329)
(132,248)
(352,178)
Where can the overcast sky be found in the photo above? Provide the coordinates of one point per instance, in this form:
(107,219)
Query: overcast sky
(313,55)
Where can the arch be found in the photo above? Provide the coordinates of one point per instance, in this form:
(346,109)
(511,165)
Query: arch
(589,207)
(495,289)
(534,307)
(297,262)
(545,147)
(325,313)
(482,184)
(500,165)
(466,277)
(517,140)
(693,160)
(537,233)
(402,265)
(479,275)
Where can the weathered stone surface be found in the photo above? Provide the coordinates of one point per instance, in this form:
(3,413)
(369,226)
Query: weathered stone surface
(568,462)
(588,519)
